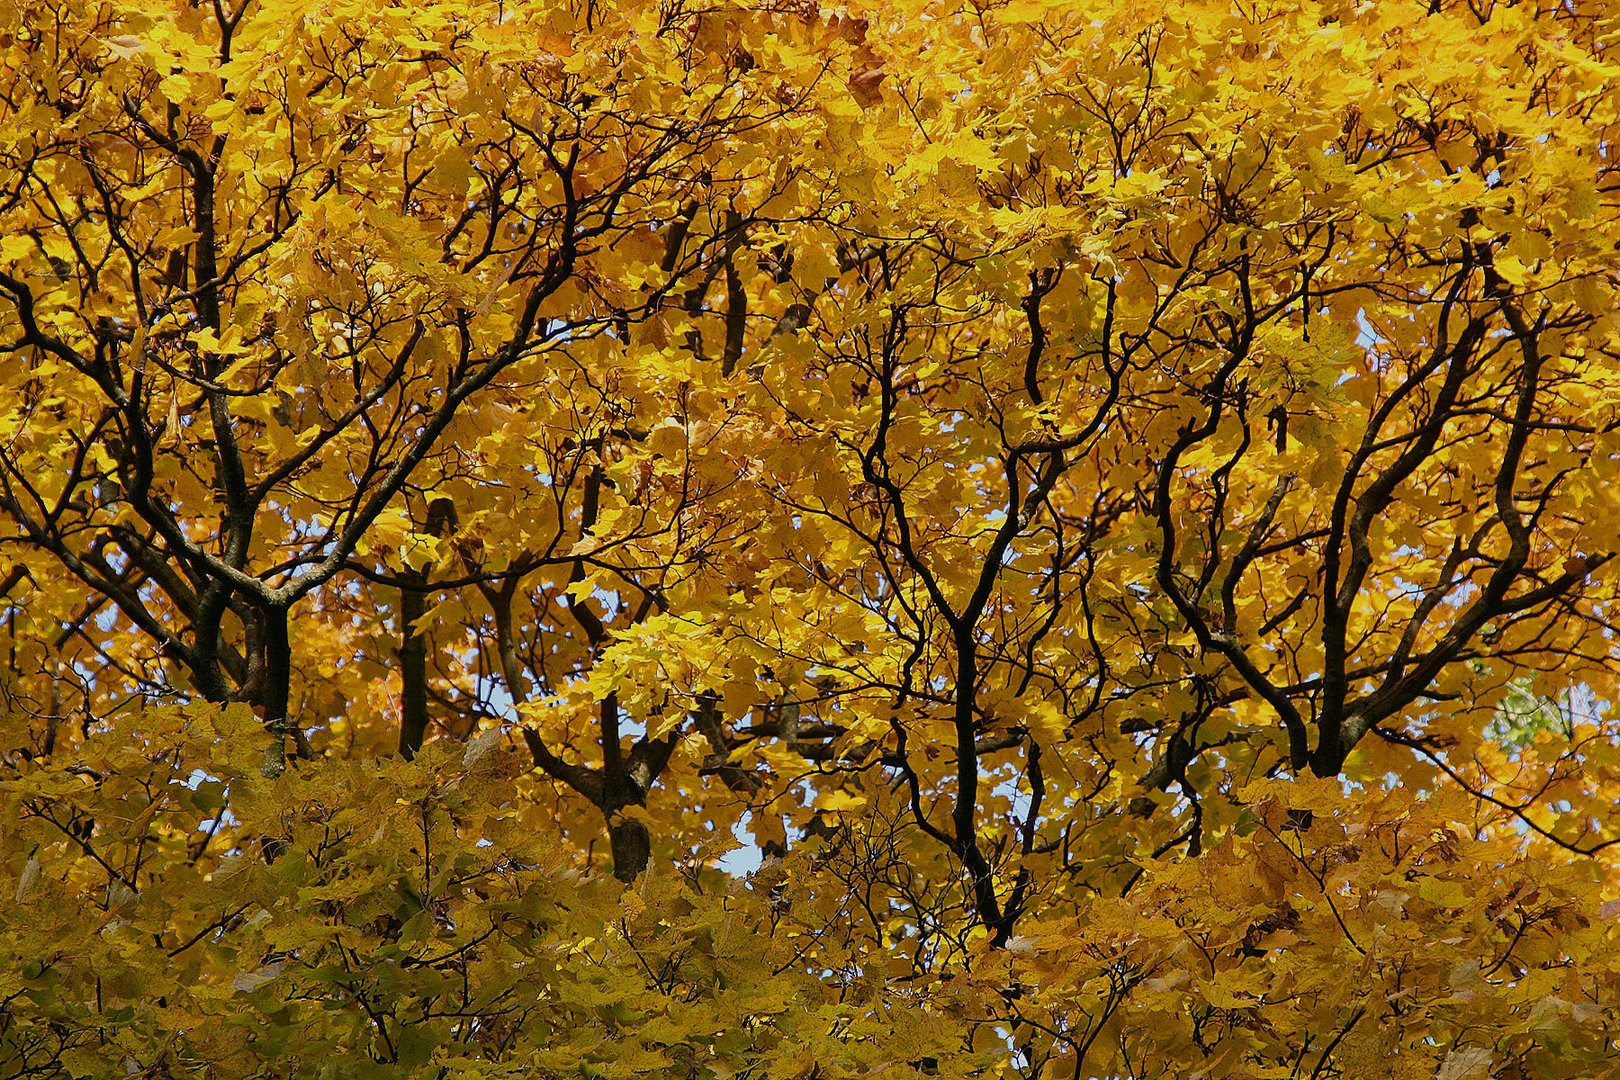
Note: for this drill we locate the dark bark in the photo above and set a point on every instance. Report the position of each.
(277, 682)
(631, 845)
(413, 697)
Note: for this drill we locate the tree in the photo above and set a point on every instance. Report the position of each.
(1081, 495)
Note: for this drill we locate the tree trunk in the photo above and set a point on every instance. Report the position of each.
(413, 699)
(631, 846)
(277, 685)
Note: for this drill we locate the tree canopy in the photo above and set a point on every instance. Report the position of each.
(751, 539)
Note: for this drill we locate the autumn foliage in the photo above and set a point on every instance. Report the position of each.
(1041, 538)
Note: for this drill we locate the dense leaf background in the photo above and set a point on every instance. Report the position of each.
(754, 539)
